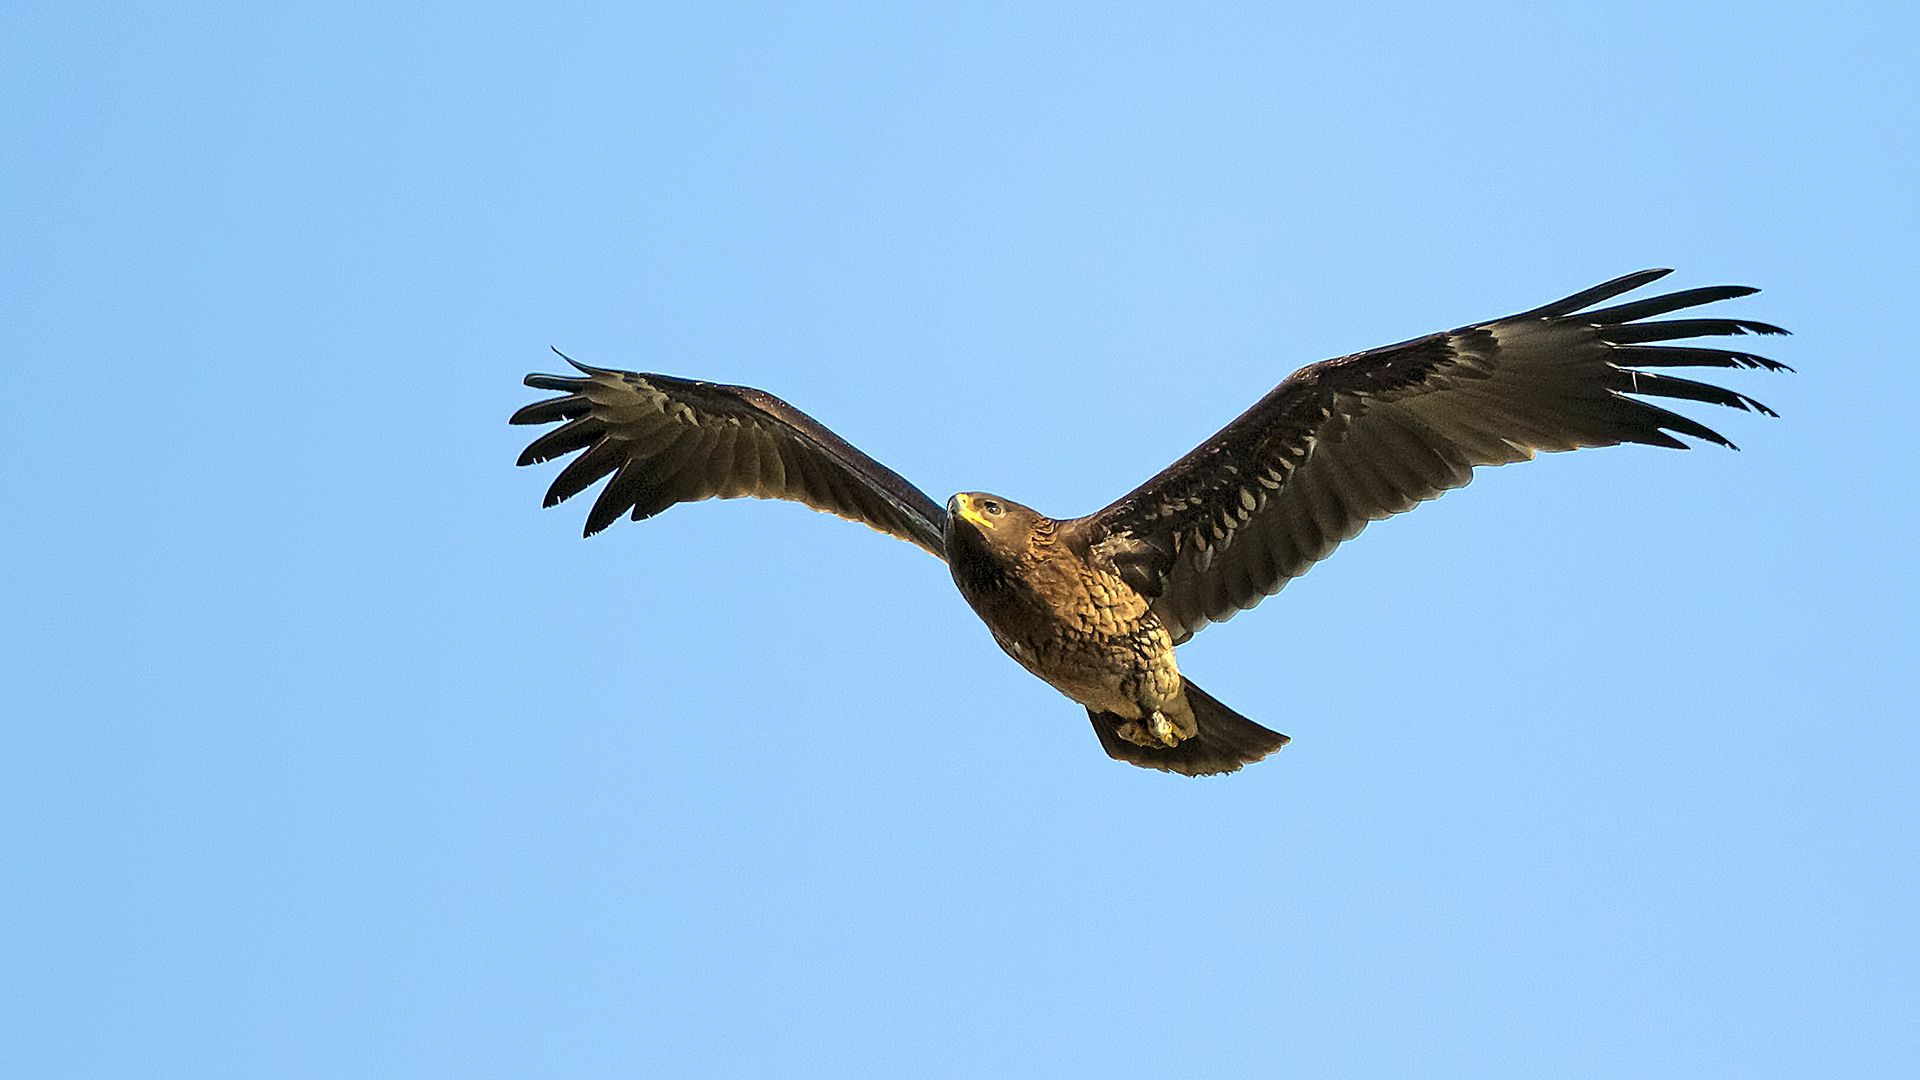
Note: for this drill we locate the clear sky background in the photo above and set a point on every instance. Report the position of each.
(329, 753)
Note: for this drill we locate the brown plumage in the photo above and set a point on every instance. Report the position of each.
(1094, 605)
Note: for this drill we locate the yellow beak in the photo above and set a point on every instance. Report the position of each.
(963, 507)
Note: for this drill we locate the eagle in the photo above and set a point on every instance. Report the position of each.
(1095, 605)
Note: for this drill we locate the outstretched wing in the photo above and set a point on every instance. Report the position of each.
(668, 440)
(1353, 440)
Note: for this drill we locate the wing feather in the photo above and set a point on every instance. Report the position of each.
(1606, 290)
(1661, 305)
(1354, 440)
(666, 440)
(576, 434)
(1670, 329)
(585, 471)
(623, 493)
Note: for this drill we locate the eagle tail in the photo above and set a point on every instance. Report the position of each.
(1226, 740)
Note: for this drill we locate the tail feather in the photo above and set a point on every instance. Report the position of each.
(1225, 742)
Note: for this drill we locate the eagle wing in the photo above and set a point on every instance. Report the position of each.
(1363, 437)
(668, 440)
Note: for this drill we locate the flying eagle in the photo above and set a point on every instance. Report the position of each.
(1095, 605)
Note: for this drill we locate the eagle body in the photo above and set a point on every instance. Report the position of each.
(1095, 605)
(1077, 626)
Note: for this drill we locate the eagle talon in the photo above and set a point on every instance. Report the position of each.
(1165, 731)
(1157, 730)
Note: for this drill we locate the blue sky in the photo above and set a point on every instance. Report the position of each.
(329, 753)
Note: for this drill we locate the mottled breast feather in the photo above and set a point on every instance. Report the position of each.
(1362, 437)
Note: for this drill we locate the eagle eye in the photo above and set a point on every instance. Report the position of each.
(991, 507)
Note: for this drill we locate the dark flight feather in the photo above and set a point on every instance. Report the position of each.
(668, 440)
(1353, 440)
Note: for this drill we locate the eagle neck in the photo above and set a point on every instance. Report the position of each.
(990, 574)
